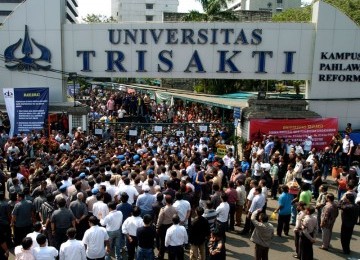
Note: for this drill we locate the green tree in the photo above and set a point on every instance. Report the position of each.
(98, 18)
(214, 10)
(350, 7)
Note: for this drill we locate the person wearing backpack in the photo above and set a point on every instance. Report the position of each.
(341, 181)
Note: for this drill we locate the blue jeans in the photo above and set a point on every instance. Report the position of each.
(326, 170)
(114, 240)
(145, 254)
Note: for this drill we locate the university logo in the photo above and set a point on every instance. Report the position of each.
(27, 62)
(8, 94)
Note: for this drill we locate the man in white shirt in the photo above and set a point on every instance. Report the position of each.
(44, 252)
(113, 222)
(129, 228)
(257, 168)
(175, 239)
(183, 208)
(298, 169)
(94, 239)
(72, 248)
(347, 147)
(163, 177)
(121, 114)
(223, 215)
(250, 197)
(131, 191)
(100, 209)
(33, 235)
(258, 202)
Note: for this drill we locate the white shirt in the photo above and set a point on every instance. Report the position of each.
(130, 191)
(241, 194)
(257, 169)
(182, 207)
(72, 249)
(299, 149)
(33, 236)
(162, 178)
(264, 191)
(347, 144)
(251, 194)
(45, 253)
(176, 235)
(131, 224)
(298, 169)
(112, 221)
(223, 212)
(257, 203)
(100, 209)
(94, 239)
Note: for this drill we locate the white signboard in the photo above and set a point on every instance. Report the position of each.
(158, 128)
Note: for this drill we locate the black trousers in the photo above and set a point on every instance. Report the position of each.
(232, 216)
(306, 248)
(283, 224)
(261, 252)
(345, 236)
(176, 252)
(162, 234)
(20, 233)
(131, 247)
(249, 226)
(60, 237)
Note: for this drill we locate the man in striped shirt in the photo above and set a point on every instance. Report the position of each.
(210, 215)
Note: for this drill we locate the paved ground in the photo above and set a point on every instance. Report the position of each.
(240, 247)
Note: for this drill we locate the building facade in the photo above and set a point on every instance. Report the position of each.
(8, 6)
(142, 10)
(275, 6)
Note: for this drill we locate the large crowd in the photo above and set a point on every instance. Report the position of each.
(79, 196)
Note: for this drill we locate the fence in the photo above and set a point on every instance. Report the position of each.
(132, 130)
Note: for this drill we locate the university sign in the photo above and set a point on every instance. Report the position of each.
(40, 49)
(206, 50)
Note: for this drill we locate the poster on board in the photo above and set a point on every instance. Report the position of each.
(27, 108)
(321, 130)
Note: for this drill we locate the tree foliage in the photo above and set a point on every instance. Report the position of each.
(350, 7)
(98, 18)
(214, 10)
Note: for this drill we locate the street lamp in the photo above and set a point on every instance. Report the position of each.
(73, 76)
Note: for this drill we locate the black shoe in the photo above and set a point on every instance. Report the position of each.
(286, 234)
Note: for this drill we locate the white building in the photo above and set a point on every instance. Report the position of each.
(142, 10)
(8, 6)
(274, 6)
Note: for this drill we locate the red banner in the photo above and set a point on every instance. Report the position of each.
(320, 129)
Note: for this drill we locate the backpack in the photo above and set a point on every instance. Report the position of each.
(342, 183)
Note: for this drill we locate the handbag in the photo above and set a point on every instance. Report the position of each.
(273, 216)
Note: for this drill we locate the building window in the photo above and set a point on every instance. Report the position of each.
(279, 1)
(149, 6)
(149, 18)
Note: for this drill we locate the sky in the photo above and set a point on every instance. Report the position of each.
(103, 7)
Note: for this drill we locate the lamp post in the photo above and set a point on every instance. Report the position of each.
(73, 76)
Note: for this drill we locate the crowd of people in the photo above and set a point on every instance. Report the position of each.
(76, 195)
